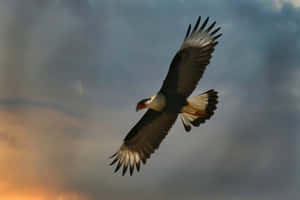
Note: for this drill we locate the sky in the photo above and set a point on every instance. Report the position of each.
(72, 71)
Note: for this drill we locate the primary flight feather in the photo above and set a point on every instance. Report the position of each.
(172, 100)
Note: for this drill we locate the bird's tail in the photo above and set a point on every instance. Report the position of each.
(199, 109)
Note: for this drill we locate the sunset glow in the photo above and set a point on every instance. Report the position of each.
(21, 177)
(40, 195)
(73, 71)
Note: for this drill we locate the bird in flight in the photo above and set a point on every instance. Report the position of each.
(172, 99)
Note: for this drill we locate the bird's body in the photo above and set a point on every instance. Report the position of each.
(173, 99)
(157, 102)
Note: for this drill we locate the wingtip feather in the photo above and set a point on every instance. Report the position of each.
(112, 156)
(204, 24)
(217, 36)
(210, 27)
(125, 167)
(131, 169)
(215, 31)
(188, 31)
(197, 24)
(138, 165)
(118, 166)
(114, 161)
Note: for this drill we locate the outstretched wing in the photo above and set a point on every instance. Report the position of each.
(143, 139)
(191, 60)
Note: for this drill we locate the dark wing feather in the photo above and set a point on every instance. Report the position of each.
(143, 139)
(190, 61)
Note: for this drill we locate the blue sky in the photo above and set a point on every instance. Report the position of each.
(72, 71)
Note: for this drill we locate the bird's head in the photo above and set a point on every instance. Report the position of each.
(142, 104)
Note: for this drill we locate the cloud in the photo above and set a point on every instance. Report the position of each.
(72, 71)
(48, 154)
(31, 147)
(17, 102)
(280, 3)
(47, 48)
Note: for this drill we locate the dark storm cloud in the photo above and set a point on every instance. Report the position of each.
(264, 125)
(256, 59)
(48, 48)
(45, 66)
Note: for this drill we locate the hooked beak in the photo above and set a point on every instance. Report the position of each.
(141, 105)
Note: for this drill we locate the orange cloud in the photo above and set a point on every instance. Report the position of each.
(41, 195)
(32, 142)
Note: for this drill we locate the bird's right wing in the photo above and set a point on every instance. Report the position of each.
(190, 61)
(143, 139)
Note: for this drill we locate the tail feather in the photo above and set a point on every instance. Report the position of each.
(199, 109)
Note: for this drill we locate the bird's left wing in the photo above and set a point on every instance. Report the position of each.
(143, 139)
(190, 61)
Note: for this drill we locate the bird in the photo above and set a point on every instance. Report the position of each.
(185, 71)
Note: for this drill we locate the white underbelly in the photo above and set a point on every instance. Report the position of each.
(158, 102)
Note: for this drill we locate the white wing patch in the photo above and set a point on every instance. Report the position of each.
(129, 158)
(200, 38)
(197, 40)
